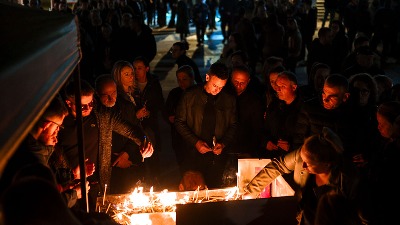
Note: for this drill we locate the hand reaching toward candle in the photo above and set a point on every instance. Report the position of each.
(217, 150)
(90, 168)
(271, 146)
(247, 195)
(284, 145)
(122, 161)
(78, 189)
(202, 147)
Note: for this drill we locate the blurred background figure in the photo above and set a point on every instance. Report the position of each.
(185, 78)
(182, 20)
(201, 13)
(178, 52)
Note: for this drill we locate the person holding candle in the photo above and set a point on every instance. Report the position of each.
(37, 149)
(205, 112)
(126, 159)
(33, 187)
(280, 116)
(149, 100)
(98, 124)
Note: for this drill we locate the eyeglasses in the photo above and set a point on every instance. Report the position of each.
(85, 106)
(58, 125)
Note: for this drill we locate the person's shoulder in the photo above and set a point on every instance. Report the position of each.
(194, 89)
(312, 104)
(174, 93)
(153, 78)
(251, 94)
(146, 29)
(298, 101)
(228, 94)
(102, 110)
(185, 59)
(175, 90)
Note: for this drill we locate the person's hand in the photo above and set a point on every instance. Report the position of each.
(271, 146)
(202, 147)
(90, 168)
(171, 119)
(78, 189)
(247, 195)
(147, 150)
(284, 145)
(122, 161)
(217, 150)
(142, 113)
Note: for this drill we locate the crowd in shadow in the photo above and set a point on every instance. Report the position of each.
(337, 136)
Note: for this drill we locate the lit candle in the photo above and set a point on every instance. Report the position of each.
(108, 207)
(105, 190)
(237, 180)
(151, 195)
(145, 145)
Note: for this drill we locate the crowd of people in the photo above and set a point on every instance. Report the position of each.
(334, 139)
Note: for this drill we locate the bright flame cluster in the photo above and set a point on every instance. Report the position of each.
(126, 209)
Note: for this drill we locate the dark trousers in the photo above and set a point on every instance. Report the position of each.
(200, 31)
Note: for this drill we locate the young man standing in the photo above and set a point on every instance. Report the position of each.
(206, 119)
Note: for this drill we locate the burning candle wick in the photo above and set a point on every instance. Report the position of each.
(105, 190)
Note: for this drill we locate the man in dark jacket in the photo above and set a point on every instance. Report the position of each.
(206, 119)
(250, 110)
(332, 110)
(280, 116)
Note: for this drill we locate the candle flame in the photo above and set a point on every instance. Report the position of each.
(140, 208)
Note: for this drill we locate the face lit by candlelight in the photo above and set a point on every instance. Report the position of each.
(51, 127)
(127, 76)
(312, 166)
(333, 97)
(214, 84)
(108, 94)
(285, 89)
(384, 126)
(240, 80)
(86, 103)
